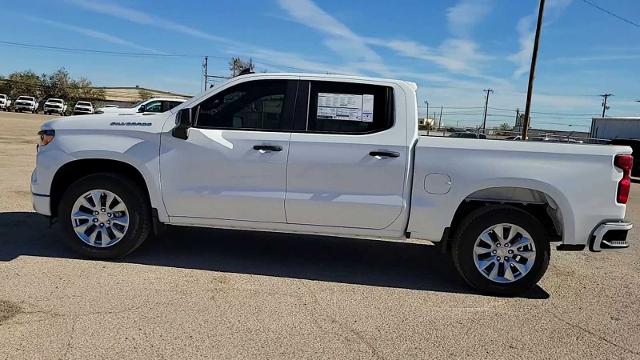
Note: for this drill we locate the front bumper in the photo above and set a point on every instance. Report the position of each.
(41, 204)
(610, 235)
(26, 107)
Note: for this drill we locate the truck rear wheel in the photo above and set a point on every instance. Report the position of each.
(501, 250)
(104, 216)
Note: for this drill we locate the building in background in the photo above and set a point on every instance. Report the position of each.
(615, 128)
(127, 96)
(425, 122)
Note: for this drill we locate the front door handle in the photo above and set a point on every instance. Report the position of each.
(380, 154)
(267, 148)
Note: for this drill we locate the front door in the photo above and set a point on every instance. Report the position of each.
(233, 164)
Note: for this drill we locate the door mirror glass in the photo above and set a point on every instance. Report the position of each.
(142, 108)
(183, 123)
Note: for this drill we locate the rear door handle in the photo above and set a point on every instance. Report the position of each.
(392, 154)
(266, 148)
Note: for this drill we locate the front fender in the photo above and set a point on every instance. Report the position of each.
(140, 152)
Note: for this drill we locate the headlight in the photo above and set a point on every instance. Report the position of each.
(46, 136)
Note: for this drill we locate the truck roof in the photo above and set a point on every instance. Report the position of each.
(329, 77)
(304, 76)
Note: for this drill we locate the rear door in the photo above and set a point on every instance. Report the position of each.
(348, 158)
(233, 164)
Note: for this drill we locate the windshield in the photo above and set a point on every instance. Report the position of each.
(138, 104)
(28, 98)
(83, 103)
(58, 101)
(3, 96)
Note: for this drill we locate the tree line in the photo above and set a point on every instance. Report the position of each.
(58, 84)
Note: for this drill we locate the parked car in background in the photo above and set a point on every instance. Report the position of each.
(559, 139)
(54, 106)
(83, 107)
(514, 138)
(468, 135)
(345, 159)
(5, 103)
(154, 105)
(26, 103)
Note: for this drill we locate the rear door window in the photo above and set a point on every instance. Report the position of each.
(349, 108)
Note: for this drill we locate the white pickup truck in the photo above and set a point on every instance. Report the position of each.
(54, 106)
(5, 103)
(153, 105)
(28, 103)
(334, 155)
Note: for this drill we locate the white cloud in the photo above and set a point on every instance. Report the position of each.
(93, 33)
(274, 59)
(342, 40)
(143, 18)
(466, 14)
(526, 37)
(526, 34)
(458, 54)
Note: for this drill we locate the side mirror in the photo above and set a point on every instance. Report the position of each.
(142, 108)
(183, 123)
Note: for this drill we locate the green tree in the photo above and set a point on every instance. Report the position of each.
(4, 85)
(237, 65)
(25, 83)
(504, 127)
(58, 84)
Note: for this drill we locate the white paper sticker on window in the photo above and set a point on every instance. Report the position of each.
(345, 107)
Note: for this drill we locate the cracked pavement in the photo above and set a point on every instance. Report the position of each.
(199, 293)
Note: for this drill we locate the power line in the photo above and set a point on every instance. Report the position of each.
(588, 2)
(95, 51)
(546, 113)
(131, 54)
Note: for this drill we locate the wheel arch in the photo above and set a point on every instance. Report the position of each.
(549, 207)
(74, 170)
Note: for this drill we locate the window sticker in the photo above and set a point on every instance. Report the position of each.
(347, 107)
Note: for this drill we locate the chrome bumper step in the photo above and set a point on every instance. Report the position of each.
(612, 235)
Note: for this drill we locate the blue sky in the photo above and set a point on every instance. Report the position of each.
(453, 49)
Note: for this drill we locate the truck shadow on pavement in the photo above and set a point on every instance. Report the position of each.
(321, 258)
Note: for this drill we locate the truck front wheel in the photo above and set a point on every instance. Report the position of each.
(104, 216)
(501, 250)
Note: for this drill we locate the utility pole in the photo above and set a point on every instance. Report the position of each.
(604, 103)
(440, 120)
(205, 69)
(486, 104)
(427, 119)
(427, 102)
(532, 72)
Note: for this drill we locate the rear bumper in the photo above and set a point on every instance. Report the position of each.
(610, 235)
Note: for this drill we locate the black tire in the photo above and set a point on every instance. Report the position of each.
(480, 220)
(140, 221)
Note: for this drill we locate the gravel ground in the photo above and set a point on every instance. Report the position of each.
(197, 293)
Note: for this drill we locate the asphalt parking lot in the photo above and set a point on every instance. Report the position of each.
(198, 293)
